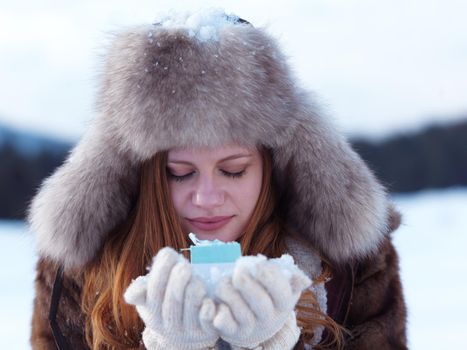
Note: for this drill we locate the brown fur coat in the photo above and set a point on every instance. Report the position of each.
(365, 297)
(163, 87)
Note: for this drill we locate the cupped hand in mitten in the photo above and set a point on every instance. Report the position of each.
(255, 305)
(173, 305)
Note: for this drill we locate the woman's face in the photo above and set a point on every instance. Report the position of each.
(214, 190)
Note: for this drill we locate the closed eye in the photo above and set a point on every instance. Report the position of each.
(179, 178)
(233, 175)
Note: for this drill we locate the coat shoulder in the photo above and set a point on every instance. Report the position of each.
(69, 316)
(376, 316)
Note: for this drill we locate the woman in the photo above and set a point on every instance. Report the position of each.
(201, 127)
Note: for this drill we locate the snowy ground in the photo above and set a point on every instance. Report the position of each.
(17, 278)
(432, 243)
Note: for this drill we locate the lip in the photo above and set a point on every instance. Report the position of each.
(210, 223)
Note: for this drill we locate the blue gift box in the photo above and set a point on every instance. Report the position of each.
(209, 252)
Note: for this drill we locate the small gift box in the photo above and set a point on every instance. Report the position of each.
(213, 260)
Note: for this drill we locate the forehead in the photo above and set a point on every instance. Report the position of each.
(210, 153)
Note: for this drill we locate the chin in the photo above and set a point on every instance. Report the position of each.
(212, 235)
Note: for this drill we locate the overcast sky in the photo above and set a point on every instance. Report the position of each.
(376, 67)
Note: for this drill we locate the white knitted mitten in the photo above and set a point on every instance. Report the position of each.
(256, 309)
(173, 305)
(285, 339)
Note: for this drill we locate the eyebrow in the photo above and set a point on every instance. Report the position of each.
(234, 156)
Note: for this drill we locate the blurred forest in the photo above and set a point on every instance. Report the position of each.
(435, 157)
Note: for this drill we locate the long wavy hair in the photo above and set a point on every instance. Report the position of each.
(152, 224)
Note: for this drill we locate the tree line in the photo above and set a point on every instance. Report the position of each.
(435, 157)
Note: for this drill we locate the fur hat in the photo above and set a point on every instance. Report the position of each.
(203, 80)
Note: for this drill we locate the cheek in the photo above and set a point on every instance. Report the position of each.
(177, 195)
(250, 194)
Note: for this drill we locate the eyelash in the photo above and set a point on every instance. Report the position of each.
(225, 173)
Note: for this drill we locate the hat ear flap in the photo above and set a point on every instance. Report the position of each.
(84, 198)
(333, 198)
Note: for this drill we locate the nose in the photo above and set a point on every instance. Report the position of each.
(207, 194)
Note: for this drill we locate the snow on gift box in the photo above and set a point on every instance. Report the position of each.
(212, 260)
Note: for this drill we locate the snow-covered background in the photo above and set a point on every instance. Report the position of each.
(432, 243)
